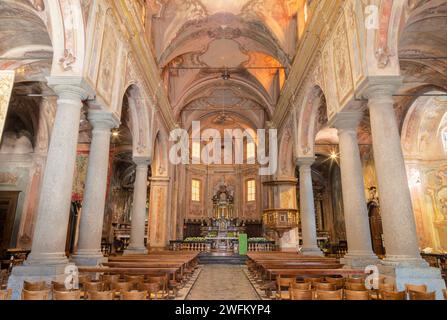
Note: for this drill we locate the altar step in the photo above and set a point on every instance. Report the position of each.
(222, 258)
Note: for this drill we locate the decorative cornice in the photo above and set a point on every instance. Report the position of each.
(281, 181)
(325, 16)
(145, 62)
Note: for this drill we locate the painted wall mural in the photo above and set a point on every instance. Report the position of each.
(428, 185)
(80, 175)
(6, 85)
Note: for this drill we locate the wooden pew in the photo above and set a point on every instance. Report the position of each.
(315, 272)
(261, 263)
(170, 272)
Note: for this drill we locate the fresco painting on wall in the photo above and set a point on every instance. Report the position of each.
(80, 176)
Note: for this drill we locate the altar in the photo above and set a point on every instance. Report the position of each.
(223, 228)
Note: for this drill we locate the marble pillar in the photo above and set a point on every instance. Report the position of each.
(47, 260)
(399, 225)
(403, 260)
(360, 253)
(55, 198)
(138, 216)
(90, 231)
(307, 209)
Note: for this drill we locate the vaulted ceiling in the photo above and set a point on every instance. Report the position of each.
(224, 58)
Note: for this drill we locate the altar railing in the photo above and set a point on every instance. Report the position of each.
(262, 246)
(199, 246)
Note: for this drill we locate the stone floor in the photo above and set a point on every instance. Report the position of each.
(222, 282)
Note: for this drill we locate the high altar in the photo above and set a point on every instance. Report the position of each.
(224, 227)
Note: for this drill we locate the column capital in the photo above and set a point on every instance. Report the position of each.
(380, 86)
(347, 120)
(101, 119)
(142, 161)
(305, 161)
(71, 87)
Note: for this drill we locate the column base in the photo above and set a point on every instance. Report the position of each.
(415, 275)
(37, 259)
(405, 261)
(88, 259)
(359, 260)
(135, 251)
(34, 273)
(312, 251)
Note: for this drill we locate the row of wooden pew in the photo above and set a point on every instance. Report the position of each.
(176, 266)
(269, 265)
(266, 268)
(310, 278)
(129, 277)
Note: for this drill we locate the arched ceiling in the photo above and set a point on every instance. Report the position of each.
(423, 46)
(25, 43)
(22, 30)
(200, 42)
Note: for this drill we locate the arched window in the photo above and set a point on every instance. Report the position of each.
(196, 150)
(195, 192)
(251, 150)
(251, 190)
(306, 11)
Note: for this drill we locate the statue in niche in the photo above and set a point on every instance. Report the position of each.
(375, 222)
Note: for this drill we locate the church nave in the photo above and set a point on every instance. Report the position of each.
(223, 150)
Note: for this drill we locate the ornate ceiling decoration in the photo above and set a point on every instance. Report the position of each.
(250, 43)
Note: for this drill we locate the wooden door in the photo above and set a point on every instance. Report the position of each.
(8, 206)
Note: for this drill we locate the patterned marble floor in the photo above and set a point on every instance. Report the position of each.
(222, 282)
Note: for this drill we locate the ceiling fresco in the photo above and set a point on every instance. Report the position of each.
(217, 54)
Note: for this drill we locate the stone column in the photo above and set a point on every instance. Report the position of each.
(48, 259)
(92, 216)
(138, 217)
(307, 209)
(399, 226)
(360, 253)
(403, 260)
(50, 232)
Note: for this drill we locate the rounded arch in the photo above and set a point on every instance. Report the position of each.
(139, 121)
(67, 29)
(424, 125)
(420, 40)
(243, 121)
(424, 145)
(160, 164)
(258, 37)
(312, 117)
(197, 88)
(21, 42)
(286, 158)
